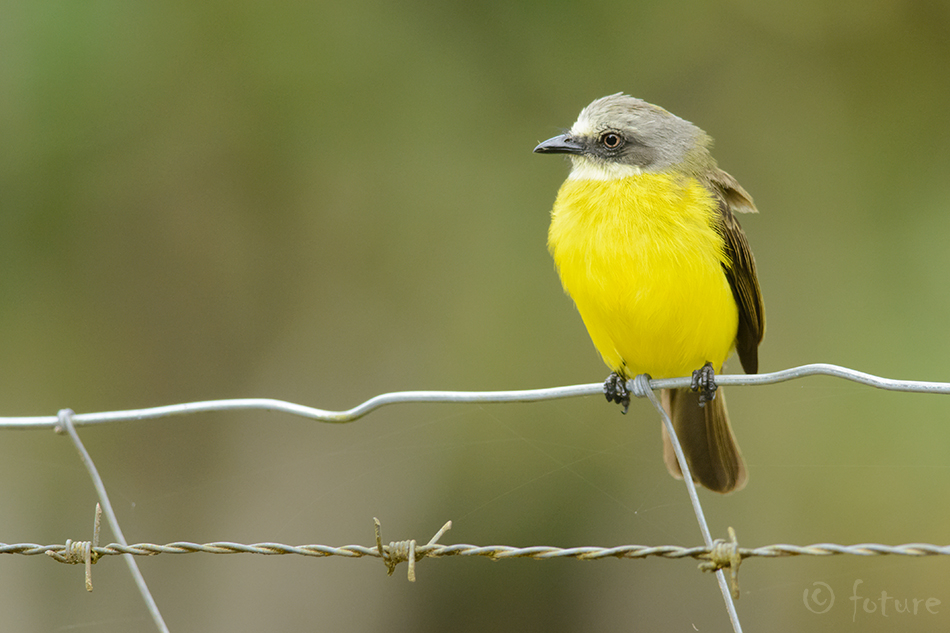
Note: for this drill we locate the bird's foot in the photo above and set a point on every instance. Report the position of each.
(704, 381)
(615, 389)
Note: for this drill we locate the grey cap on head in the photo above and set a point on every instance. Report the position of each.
(621, 129)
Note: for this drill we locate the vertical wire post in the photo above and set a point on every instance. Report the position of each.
(642, 385)
(66, 423)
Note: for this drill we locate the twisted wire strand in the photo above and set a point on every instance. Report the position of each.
(496, 552)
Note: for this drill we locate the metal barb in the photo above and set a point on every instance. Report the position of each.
(399, 551)
(93, 556)
(379, 546)
(76, 552)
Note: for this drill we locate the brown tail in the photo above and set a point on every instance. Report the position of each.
(711, 451)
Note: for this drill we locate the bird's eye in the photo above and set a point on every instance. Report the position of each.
(611, 140)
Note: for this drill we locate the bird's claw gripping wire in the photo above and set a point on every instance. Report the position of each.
(615, 390)
(704, 381)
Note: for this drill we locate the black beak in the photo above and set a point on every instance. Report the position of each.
(563, 144)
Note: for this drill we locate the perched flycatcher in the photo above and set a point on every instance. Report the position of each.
(646, 243)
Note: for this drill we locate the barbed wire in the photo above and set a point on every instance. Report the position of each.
(397, 552)
(717, 556)
(495, 552)
(723, 555)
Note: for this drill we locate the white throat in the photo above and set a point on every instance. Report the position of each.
(586, 168)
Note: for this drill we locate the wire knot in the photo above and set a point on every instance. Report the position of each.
(75, 553)
(400, 551)
(639, 385)
(725, 554)
(64, 418)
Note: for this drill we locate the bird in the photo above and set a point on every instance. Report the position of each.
(646, 242)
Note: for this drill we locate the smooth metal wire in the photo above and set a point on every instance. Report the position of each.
(66, 425)
(640, 387)
(404, 397)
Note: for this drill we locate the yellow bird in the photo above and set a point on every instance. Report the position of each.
(646, 243)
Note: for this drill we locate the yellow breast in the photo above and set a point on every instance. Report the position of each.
(642, 262)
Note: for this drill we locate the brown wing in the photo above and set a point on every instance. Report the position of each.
(741, 271)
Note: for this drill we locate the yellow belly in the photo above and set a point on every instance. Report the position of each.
(643, 264)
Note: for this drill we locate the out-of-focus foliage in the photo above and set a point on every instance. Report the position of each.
(324, 201)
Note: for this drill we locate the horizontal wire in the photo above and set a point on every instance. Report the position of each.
(496, 552)
(404, 397)
(716, 556)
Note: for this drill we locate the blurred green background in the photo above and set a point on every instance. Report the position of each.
(320, 202)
